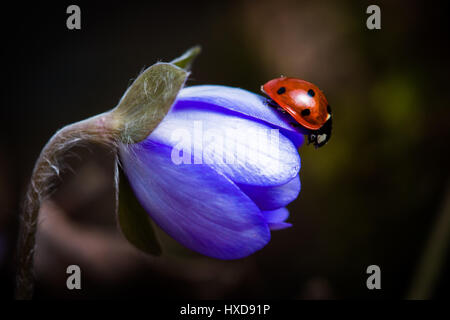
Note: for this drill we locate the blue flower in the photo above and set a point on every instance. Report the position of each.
(218, 171)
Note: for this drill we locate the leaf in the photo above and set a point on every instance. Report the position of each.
(141, 109)
(133, 220)
(185, 61)
(147, 101)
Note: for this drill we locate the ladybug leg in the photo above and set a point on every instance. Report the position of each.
(272, 103)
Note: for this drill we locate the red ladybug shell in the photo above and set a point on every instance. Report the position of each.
(301, 99)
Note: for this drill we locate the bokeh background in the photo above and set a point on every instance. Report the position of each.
(374, 195)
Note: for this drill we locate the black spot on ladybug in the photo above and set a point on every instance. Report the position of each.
(311, 93)
(306, 112)
(329, 109)
(281, 90)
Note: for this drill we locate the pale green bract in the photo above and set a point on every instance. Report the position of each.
(145, 104)
(150, 97)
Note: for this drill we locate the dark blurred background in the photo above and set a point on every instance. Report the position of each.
(373, 195)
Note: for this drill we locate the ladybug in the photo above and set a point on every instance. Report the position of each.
(305, 103)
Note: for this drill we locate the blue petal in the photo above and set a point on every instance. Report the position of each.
(243, 102)
(271, 198)
(279, 225)
(276, 216)
(199, 207)
(218, 138)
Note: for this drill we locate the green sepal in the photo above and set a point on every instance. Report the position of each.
(185, 60)
(147, 101)
(141, 109)
(134, 221)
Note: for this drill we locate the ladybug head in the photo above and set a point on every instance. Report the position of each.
(321, 136)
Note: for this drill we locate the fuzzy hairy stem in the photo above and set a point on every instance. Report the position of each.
(143, 106)
(98, 129)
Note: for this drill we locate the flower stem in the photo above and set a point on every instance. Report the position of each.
(140, 110)
(98, 129)
(433, 257)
